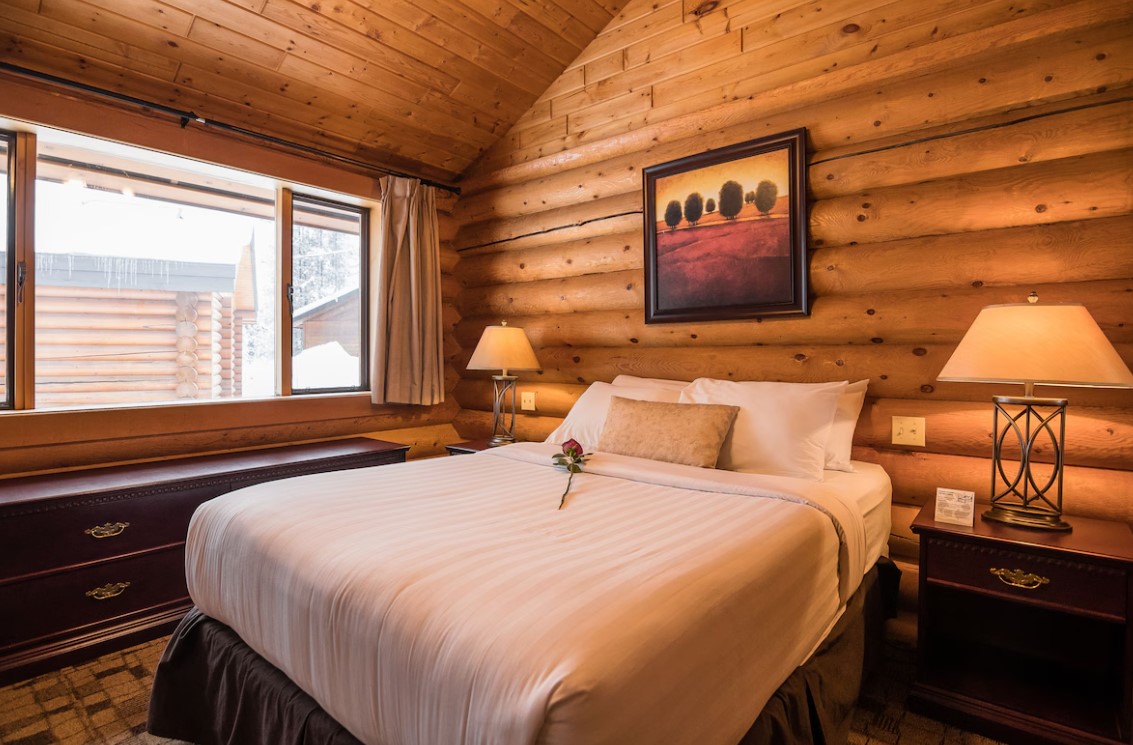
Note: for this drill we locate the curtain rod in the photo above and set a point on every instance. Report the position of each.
(188, 116)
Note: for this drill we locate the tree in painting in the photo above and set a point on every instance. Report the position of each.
(710, 205)
(731, 199)
(673, 214)
(765, 195)
(749, 198)
(694, 208)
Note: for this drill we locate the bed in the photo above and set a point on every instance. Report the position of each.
(451, 601)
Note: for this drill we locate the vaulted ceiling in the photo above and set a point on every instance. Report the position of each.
(423, 86)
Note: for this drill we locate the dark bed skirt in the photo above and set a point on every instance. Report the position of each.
(211, 689)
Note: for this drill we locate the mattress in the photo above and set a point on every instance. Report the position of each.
(450, 601)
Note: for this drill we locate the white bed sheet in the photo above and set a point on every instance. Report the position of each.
(448, 601)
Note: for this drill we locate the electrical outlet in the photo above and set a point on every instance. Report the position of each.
(527, 400)
(908, 430)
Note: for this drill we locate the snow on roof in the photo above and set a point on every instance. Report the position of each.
(87, 238)
(74, 220)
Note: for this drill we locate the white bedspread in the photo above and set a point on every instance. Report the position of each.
(447, 602)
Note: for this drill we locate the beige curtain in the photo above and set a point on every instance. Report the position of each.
(407, 359)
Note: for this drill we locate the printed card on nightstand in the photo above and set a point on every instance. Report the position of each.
(955, 506)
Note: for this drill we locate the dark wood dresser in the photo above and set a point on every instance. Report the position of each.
(94, 560)
(1026, 635)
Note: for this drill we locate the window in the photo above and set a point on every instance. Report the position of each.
(154, 277)
(328, 321)
(7, 250)
(157, 279)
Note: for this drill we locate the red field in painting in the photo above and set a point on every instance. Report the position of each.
(724, 262)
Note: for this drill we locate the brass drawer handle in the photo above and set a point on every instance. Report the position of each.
(1019, 578)
(107, 591)
(106, 530)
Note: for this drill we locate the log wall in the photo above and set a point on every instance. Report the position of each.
(960, 154)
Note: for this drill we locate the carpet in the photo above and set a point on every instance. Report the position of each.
(104, 702)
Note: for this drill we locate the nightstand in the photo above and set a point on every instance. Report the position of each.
(1025, 635)
(469, 446)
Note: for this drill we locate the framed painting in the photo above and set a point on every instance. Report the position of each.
(725, 233)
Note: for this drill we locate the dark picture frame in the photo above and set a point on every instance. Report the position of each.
(734, 246)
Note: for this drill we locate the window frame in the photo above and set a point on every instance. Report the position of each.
(363, 292)
(20, 362)
(10, 275)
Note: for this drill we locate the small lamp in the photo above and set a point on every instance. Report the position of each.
(1033, 344)
(504, 348)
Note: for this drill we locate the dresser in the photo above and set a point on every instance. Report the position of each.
(1025, 635)
(94, 560)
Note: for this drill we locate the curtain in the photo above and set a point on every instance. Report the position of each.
(407, 358)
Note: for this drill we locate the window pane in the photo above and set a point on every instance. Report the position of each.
(155, 277)
(6, 247)
(328, 248)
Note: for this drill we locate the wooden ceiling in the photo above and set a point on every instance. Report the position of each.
(422, 86)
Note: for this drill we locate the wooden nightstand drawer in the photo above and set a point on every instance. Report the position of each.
(1091, 589)
(1026, 635)
(92, 528)
(71, 599)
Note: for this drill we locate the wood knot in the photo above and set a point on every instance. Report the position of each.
(1040, 208)
(926, 388)
(877, 340)
(851, 28)
(576, 359)
(871, 312)
(977, 284)
(633, 340)
(920, 351)
(705, 8)
(800, 357)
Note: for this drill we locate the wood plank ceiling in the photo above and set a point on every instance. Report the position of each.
(422, 86)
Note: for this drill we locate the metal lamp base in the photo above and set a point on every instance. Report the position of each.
(1020, 496)
(503, 405)
(1021, 519)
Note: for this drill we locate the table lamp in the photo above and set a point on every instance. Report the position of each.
(1034, 344)
(503, 348)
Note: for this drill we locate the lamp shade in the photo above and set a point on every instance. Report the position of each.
(503, 348)
(1042, 344)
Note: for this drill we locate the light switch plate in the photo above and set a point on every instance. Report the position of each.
(527, 400)
(908, 430)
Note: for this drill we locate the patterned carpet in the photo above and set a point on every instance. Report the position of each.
(104, 703)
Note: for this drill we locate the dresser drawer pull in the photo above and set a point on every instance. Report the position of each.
(1019, 578)
(106, 530)
(107, 591)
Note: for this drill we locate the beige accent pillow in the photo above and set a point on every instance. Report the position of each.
(691, 434)
(782, 428)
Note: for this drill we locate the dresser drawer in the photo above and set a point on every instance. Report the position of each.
(1089, 588)
(63, 532)
(51, 603)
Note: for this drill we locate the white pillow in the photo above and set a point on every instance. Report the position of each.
(673, 385)
(586, 418)
(841, 441)
(782, 428)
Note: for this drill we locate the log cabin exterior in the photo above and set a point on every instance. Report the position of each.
(960, 154)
